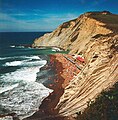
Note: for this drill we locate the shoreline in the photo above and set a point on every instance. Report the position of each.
(61, 70)
(64, 71)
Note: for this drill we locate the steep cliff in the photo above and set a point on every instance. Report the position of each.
(99, 73)
(71, 34)
(95, 35)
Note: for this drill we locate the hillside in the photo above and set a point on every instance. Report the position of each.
(74, 32)
(95, 36)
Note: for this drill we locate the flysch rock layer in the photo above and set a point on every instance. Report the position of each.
(95, 36)
(75, 34)
(100, 73)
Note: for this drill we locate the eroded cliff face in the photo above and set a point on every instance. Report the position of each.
(95, 35)
(99, 73)
(74, 34)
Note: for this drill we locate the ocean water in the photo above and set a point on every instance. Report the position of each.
(20, 93)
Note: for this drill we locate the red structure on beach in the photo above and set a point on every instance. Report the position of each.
(80, 59)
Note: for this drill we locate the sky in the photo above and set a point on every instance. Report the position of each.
(46, 15)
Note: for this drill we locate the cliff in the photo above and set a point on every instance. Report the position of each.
(99, 73)
(95, 36)
(74, 32)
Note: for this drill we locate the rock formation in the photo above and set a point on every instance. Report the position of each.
(70, 35)
(99, 73)
(95, 35)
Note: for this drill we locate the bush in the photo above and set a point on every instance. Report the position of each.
(105, 106)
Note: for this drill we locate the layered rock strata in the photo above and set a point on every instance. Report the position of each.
(95, 36)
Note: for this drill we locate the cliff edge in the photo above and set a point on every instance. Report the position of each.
(95, 36)
(70, 35)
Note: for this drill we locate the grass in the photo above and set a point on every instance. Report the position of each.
(110, 20)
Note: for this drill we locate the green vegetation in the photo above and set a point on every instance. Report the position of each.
(105, 106)
(110, 20)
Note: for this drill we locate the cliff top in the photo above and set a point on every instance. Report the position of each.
(110, 19)
(85, 27)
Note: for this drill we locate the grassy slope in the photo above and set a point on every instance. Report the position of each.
(110, 20)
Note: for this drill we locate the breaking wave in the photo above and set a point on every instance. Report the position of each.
(24, 99)
(25, 63)
(22, 57)
(19, 91)
(4, 89)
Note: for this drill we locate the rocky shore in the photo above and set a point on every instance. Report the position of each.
(64, 71)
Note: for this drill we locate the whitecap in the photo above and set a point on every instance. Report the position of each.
(25, 100)
(53, 50)
(4, 58)
(26, 63)
(17, 46)
(6, 118)
(25, 94)
(22, 57)
(23, 74)
(34, 57)
(35, 63)
(56, 49)
(4, 89)
(26, 73)
(12, 46)
(20, 46)
(14, 63)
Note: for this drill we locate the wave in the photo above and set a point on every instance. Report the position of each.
(19, 91)
(12, 46)
(56, 49)
(34, 57)
(4, 89)
(22, 57)
(26, 95)
(26, 63)
(14, 63)
(3, 58)
(25, 100)
(23, 74)
(20, 46)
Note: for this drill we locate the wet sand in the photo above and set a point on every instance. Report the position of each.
(64, 71)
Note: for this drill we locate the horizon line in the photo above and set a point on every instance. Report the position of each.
(22, 31)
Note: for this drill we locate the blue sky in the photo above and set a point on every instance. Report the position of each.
(46, 15)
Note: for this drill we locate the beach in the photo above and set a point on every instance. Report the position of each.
(64, 71)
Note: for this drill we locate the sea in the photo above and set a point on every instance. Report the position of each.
(20, 92)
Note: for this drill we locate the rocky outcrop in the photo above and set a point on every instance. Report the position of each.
(70, 35)
(95, 35)
(99, 73)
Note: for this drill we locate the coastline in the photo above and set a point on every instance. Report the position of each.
(64, 71)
